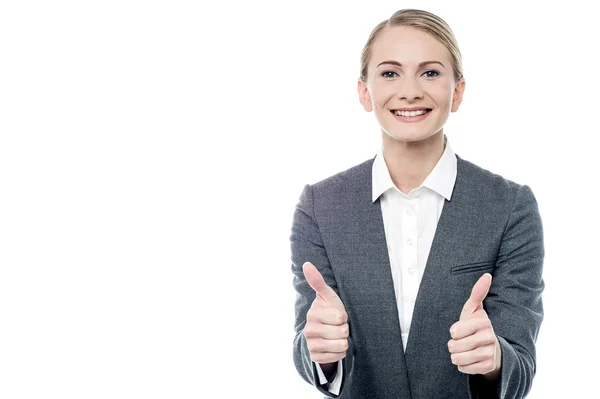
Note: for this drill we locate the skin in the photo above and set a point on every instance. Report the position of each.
(474, 347)
(326, 330)
(408, 68)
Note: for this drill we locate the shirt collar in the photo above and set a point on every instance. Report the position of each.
(441, 179)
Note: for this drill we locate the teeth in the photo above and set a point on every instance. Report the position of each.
(410, 113)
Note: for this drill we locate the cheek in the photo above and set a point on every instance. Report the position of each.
(442, 95)
(381, 94)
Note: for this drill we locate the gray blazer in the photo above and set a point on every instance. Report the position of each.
(491, 224)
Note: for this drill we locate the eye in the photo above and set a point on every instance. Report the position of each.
(431, 74)
(389, 74)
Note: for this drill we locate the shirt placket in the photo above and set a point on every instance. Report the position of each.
(410, 257)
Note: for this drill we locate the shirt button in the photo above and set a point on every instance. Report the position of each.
(409, 212)
(409, 241)
(411, 270)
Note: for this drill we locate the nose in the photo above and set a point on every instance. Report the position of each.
(410, 89)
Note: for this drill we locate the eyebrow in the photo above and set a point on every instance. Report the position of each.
(422, 64)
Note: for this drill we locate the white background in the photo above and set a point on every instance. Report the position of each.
(152, 153)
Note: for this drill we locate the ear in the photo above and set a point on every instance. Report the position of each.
(364, 96)
(457, 97)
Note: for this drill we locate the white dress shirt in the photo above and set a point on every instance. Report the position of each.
(410, 221)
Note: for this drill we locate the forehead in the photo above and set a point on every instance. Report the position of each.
(408, 45)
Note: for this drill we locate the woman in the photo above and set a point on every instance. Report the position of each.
(418, 274)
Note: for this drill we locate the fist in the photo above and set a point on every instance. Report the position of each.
(326, 330)
(474, 347)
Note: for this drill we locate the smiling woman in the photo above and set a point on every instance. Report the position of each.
(387, 256)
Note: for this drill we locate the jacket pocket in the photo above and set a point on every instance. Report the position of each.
(486, 266)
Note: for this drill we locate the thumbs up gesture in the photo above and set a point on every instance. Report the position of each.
(326, 328)
(474, 347)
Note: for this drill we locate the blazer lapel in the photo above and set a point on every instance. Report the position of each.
(426, 342)
(372, 302)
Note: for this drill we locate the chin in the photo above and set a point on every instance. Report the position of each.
(409, 136)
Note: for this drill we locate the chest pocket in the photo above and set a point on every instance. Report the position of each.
(481, 267)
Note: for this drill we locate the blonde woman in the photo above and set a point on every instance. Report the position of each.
(418, 274)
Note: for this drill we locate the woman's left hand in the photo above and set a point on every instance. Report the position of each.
(474, 347)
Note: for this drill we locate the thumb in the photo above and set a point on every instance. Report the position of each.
(316, 281)
(478, 294)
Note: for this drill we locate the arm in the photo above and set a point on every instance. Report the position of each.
(514, 302)
(307, 246)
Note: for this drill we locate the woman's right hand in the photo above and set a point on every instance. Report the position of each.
(326, 328)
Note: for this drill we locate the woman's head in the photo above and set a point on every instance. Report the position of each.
(411, 75)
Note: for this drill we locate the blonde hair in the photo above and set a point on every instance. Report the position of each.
(419, 19)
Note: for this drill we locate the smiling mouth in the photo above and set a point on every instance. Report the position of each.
(417, 112)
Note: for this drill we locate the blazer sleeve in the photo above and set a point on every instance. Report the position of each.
(307, 246)
(514, 302)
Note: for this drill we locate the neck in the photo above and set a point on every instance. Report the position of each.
(410, 162)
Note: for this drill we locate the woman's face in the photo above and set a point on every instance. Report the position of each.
(410, 84)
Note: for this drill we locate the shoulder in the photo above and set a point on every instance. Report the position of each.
(340, 188)
(478, 182)
(483, 180)
(349, 179)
